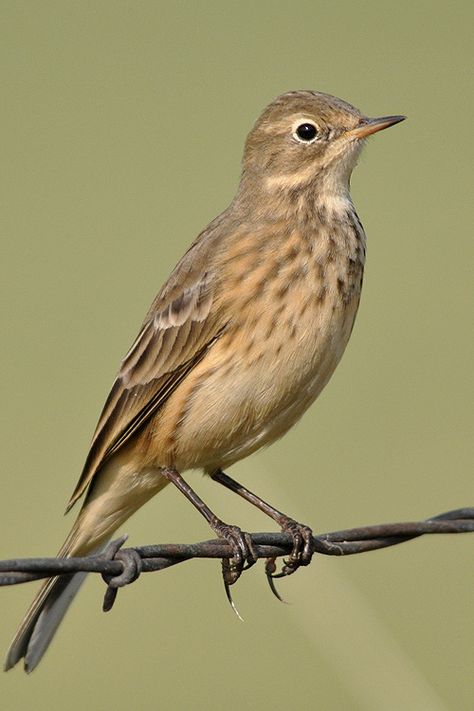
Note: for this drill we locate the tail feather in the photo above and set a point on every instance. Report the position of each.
(113, 497)
(48, 608)
(42, 620)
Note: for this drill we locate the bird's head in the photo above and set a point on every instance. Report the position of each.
(308, 136)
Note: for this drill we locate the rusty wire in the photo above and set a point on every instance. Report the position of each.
(120, 566)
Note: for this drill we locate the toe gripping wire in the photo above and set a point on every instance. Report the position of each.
(131, 569)
(238, 553)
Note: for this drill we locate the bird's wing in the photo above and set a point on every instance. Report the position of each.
(179, 328)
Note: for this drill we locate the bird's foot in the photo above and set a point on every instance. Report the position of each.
(243, 554)
(301, 553)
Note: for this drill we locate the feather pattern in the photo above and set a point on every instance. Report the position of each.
(239, 341)
(178, 329)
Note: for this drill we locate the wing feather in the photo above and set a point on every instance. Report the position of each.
(179, 328)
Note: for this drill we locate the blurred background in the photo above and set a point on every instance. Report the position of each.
(123, 127)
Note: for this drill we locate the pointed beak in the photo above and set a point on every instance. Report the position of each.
(372, 125)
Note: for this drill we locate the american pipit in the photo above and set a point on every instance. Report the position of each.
(238, 343)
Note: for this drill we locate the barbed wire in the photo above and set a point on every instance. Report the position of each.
(121, 566)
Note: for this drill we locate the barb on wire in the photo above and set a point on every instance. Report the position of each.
(119, 566)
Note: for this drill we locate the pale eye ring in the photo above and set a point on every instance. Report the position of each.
(305, 132)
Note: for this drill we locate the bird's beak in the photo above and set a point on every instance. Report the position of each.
(368, 126)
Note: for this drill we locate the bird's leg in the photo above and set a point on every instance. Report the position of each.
(302, 536)
(243, 554)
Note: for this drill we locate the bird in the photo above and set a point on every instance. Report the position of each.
(238, 343)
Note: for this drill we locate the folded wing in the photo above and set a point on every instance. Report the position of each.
(179, 328)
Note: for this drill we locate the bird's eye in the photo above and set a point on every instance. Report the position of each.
(306, 132)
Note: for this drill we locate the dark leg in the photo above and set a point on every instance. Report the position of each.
(302, 536)
(243, 554)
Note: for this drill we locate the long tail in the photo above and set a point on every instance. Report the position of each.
(48, 608)
(109, 503)
(42, 620)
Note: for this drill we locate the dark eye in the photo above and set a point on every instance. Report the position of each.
(306, 132)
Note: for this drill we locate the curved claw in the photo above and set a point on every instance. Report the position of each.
(231, 602)
(270, 568)
(243, 557)
(284, 573)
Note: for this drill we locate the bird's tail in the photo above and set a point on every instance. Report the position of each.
(42, 620)
(44, 616)
(114, 496)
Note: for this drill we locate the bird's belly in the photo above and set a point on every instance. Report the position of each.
(254, 385)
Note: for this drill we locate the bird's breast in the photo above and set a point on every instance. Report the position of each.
(290, 308)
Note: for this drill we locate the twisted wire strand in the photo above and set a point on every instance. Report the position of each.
(124, 565)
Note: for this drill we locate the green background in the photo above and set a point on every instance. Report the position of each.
(122, 131)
